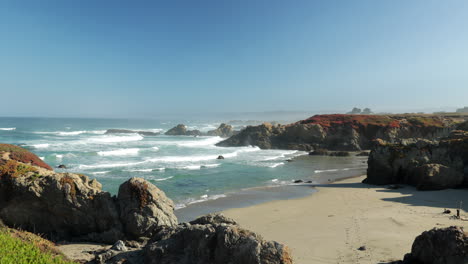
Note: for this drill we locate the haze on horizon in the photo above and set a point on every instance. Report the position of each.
(153, 58)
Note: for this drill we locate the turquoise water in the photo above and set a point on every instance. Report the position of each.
(184, 167)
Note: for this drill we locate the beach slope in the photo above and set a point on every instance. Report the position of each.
(330, 226)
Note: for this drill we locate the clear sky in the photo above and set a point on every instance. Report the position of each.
(149, 58)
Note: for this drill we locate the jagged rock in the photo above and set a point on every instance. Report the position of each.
(440, 246)
(213, 240)
(126, 131)
(222, 131)
(119, 246)
(342, 132)
(220, 157)
(428, 165)
(181, 130)
(69, 206)
(144, 209)
(61, 166)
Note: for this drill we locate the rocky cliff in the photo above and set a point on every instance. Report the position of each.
(425, 164)
(342, 132)
(223, 130)
(69, 206)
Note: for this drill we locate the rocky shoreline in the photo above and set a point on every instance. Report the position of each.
(71, 207)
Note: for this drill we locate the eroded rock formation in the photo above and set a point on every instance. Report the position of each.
(69, 206)
(342, 132)
(428, 165)
(213, 239)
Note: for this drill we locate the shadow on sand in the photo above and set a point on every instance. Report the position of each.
(449, 198)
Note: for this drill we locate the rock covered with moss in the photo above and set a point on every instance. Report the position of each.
(341, 132)
(69, 206)
(213, 239)
(428, 165)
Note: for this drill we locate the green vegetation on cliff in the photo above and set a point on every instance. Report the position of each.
(21, 247)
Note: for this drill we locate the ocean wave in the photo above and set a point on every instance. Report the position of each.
(242, 150)
(140, 170)
(274, 165)
(164, 179)
(176, 159)
(99, 172)
(115, 139)
(210, 165)
(110, 165)
(119, 152)
(155, 148)
(191, 167)
(282, 155)
(42, 158)
(7, 128)
(211, 141)
(203, 198)
(43, 145)
(71, 133)
(331, 170)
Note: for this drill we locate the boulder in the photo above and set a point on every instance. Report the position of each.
(437, 176)
(213, 240)
(220, 157)
(179, 130)
(440, 246)
(61, 166)
(69, 206)
(319, 152)
(144, 209)
(223, 130)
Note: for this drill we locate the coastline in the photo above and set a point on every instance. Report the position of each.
(252, 196)
(330, 225)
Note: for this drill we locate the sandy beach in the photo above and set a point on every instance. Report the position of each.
(330, 225)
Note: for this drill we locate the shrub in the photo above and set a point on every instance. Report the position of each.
(22, 155)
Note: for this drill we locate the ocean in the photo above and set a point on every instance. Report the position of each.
(184, 167)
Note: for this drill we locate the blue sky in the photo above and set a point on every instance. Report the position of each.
(150, 58)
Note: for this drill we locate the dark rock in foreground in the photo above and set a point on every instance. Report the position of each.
(428, 165)
(69, 206)
(213, 239)
(439, 246)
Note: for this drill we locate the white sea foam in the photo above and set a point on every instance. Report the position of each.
(59, 156)
(192, 167)
(120, 152)
(331, 170)
(176, 159)
(7, 128)
(42, 158)
(155, 148)
(210, 165)
(71, 133)
(140, 170)
(164, 179)
(100, 172)
(211, 141)
(44, 145)
(274, 180)
(115, 139)
(110, 165)
(276, 165)
(203, 198)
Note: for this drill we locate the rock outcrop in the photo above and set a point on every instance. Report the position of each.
(69, 206)
(181, 130)
(342, 132)
(144, 209)
(222, 131)
(440, 246)
(428, 165)
(126, 131)
(213, 239)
